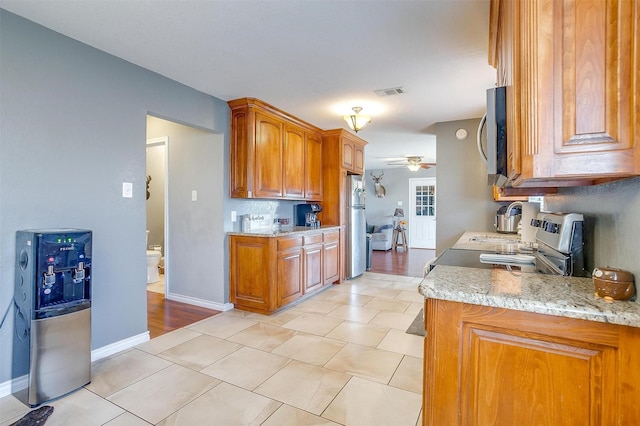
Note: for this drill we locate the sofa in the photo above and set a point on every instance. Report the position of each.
(381, 230)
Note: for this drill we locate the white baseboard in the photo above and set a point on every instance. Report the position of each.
(96, 354)
(118, 346)
(200, 302)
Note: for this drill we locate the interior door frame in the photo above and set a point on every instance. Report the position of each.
(164, 140)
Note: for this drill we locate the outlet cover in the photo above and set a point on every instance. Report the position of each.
(127, 189)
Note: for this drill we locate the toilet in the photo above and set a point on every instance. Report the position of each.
(153, 261)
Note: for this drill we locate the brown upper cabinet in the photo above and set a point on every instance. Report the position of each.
(273, 154)
(571, 71)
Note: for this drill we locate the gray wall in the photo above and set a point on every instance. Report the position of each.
(612, 213)
(72, 130)
(194, 259)
(464, 201)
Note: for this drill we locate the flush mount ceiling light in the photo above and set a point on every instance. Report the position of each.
(413, 163)
(356, 121)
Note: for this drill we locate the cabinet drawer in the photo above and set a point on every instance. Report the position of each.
(312, 239)
(331, 236)
(287, 243)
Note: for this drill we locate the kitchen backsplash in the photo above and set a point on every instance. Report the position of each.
(612, 216)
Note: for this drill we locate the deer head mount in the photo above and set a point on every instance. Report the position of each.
(380, 191)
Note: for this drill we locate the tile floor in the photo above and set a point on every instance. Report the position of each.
(340, 358)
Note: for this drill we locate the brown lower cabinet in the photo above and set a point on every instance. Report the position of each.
(495, 366)
(268, 272)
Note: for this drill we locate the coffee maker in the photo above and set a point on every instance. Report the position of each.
(307, 214)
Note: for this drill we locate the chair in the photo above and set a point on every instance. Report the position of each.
(381, 230)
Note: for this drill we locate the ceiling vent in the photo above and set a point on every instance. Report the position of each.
(390, 92)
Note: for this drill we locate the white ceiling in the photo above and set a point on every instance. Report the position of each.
(312, 58)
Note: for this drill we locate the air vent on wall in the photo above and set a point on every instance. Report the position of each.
(390, 92)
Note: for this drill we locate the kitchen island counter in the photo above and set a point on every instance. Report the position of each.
(562, 296)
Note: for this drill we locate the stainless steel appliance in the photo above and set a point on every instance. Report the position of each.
(560, 249)
(52, 338)
(507, 219)
(495, 121)
(307, 214)
(356, 244)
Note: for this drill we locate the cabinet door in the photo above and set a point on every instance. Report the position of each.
(289, 273)
(331, 262)
(249, 273)
(268, 157)
(348, 155)
(293, 171)
(313, 167)
(487, 365)
(239, 155)
(358, 164)
(312, 279)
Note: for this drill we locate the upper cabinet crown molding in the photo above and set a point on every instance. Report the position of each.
(571, 71)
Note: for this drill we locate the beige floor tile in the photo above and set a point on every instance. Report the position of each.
(291, 416)
(380, 292)
(199, 352)
(361, 334)
(313, 324)
(262, 336)
(349, 287)
(365, 403)
(344, 298)
(405, 286)
(163, 393)
(226, 405)
(366, 362)
(315, 306)
(246, 367)
(222, 326)
(408, 376)
(304, 386)
(403, 343)
(410, 296)
(127, 419)
(310, 349)
(115, 373)
(166, 341)
(414, 308)
(276, 319)
(389, 305)
(11, 409)
(397, 320)
(82, 408)
(353, 313)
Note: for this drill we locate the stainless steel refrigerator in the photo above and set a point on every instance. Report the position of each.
(356, 227)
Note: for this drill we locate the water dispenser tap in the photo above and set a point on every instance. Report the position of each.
(49, 277)
(78, 273)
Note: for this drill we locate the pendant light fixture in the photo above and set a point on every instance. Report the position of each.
(356, 121)
(414, 163)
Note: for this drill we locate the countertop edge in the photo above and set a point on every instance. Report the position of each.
(295, 231)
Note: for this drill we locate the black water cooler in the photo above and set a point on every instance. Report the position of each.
(52, 339)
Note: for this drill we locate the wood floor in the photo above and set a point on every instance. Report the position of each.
(401, 262)
(166, 315)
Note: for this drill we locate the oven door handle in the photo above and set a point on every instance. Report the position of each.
(549, 266)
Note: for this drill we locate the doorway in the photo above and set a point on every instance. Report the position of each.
(157, 207)
(422, 213)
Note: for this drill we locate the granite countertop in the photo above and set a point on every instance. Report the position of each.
(285, 232)
(488, 241)
(571, 297)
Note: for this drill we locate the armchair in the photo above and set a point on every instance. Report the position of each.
(381, 230)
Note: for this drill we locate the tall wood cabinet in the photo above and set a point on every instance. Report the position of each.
(571, 71)
(273, 154)
(343, 154)
(487, 366)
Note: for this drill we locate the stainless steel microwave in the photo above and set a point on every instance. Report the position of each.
(495, 121)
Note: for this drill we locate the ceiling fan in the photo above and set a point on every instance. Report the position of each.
(413, 162)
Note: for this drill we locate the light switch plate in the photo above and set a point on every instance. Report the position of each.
(194, 195)
(399, 203)
(234, 216)
(127, 189)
